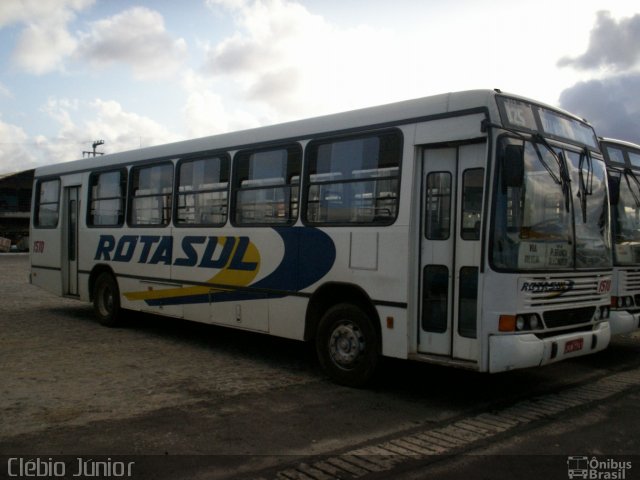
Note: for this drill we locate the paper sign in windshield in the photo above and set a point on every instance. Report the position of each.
(534, 255)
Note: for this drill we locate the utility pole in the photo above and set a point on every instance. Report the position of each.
(94, 153)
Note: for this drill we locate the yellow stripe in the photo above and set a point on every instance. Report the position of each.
(226, 276)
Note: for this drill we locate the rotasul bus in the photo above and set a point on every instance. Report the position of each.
(623, 167)
(468, 229)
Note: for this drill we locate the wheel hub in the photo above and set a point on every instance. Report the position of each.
(346, 344)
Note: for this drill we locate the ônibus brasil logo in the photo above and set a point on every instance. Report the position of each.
(596, 468)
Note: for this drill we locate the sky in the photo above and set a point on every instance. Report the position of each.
(142, 73)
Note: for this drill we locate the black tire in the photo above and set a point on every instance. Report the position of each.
(106, 300)
(347, 345)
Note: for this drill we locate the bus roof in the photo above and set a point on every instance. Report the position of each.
(393, 113)
(620, 142)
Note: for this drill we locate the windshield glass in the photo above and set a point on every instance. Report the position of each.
(626, 218)
(534, 221)
(589, 193)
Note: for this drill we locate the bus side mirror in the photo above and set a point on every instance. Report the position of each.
(512, 167)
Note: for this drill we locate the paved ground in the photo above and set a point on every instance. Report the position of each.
(255, 406)
(607, 433)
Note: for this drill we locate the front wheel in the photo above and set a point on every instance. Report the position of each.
(347, 345)
(106, 300)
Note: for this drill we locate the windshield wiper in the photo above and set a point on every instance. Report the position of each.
(564, 179)
(629, 173)
(586, 187)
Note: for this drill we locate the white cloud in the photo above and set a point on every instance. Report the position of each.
(136, 37)
(27, 11)
(205, 112)
(227, 4)
(42, 47)
(45, 40)
(61, 110)
(297, 64)
(15, 151)
(121, 130)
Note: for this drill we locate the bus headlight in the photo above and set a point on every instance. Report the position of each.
(622, 302)
(519, 323)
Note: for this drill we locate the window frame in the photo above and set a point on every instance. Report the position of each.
(38, 203)
(293, 149)
(428, 233)
(433, 296)
(468, 284)
(223, 156)
(132, 197)
(125, 200)
(464, 232)
(315, 143)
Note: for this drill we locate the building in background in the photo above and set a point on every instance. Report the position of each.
(15, 206)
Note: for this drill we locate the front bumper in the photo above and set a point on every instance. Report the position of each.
(623, 322)
(510, 352)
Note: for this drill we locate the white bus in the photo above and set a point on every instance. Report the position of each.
(457, 229)
(623, 167)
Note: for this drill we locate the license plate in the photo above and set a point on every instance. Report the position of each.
(573, 345)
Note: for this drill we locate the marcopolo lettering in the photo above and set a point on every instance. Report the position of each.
(547, 287)
(219, 252)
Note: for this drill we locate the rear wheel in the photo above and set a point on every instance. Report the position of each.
(106, 300)
(347, 345)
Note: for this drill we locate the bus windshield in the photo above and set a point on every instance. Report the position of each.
(557, 217)
(626, 218)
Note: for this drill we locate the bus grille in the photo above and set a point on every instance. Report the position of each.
(563, 318)
(629, 281)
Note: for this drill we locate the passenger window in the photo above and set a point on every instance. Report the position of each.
(266, 186)
(47, 204)
(202, 191)
(438, 206)
(151, 189)
(468, 302)
(354, 180)
(107, 192)
(472, 189)
(435, 298)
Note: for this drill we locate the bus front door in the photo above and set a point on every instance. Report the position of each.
(452, 202)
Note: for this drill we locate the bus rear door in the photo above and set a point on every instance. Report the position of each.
(70, 234)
